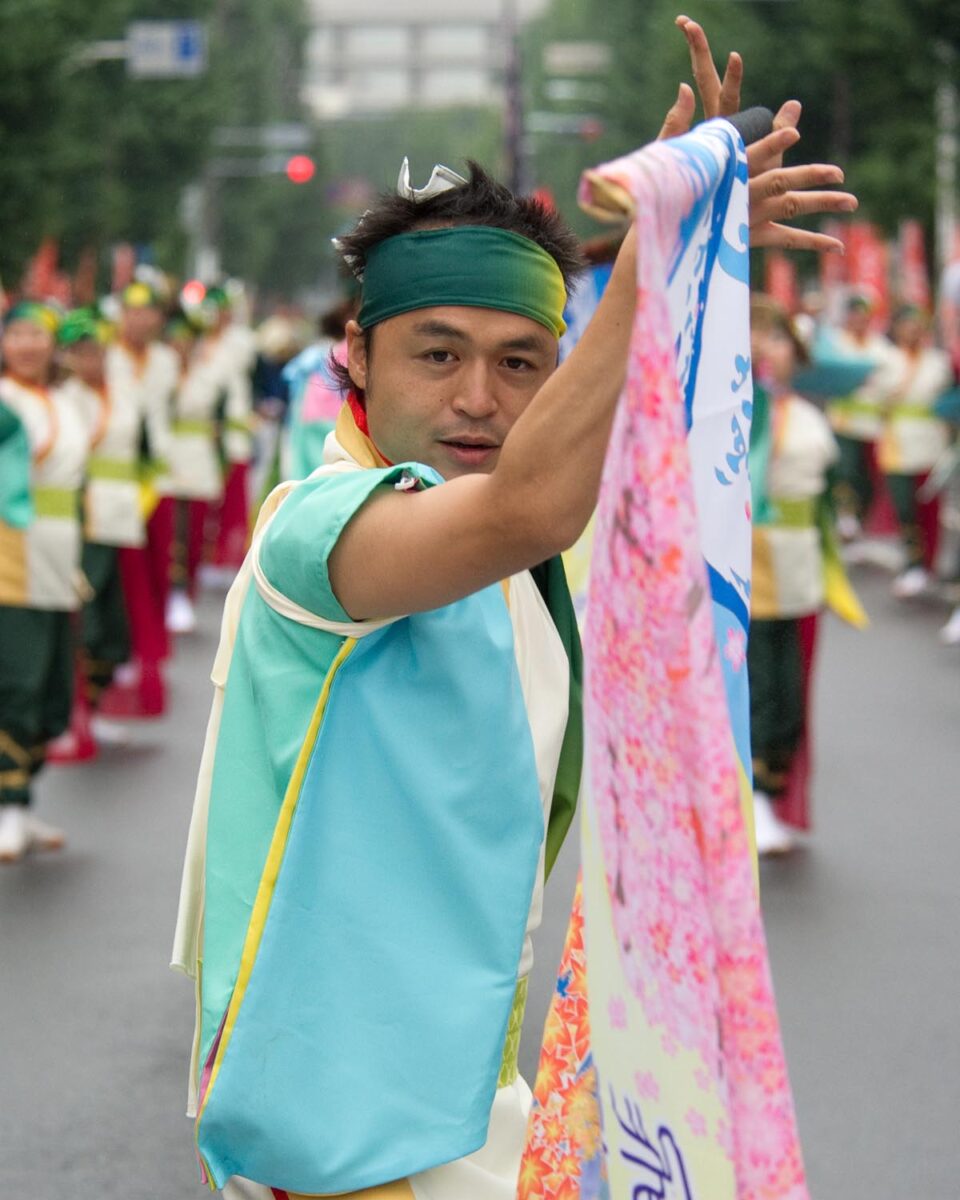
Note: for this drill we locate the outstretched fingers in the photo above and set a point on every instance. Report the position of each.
(785, 237)
(680, 117)
(730, 88)
(720, 98)
(767, 154)
(790, 192)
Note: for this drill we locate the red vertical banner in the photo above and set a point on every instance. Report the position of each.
(833, 273)
(780, 279)
(124, 265)
(41, 273)
(914, 275)
(868, 267)
(85, 277)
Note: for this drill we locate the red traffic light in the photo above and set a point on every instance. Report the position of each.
(301, 169)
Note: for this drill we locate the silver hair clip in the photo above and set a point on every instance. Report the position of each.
(442, 179)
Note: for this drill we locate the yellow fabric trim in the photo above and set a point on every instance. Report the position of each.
(794, 514)
(55, 502)
(839, 595)
(913, 412)
(14, 779)
(113, 468)
(14, 586)
(271, 870)
(763, 585)
(855, 408)
(13, 749)
(193, 425)
(357, 444)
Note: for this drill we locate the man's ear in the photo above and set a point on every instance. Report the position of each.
(356, 354)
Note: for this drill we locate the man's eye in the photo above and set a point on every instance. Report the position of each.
(439, 356)
(517, 364)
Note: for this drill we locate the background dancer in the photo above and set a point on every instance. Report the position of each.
(45, 446)
(142, 372)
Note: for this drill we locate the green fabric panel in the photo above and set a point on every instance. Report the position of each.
(16, 506)
(36, 686)
(105, 631)
(551, 580)
(307, 439)
(510, 1064)
(301, 537)
(775, 667)
(759, 457)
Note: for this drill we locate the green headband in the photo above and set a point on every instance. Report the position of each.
(478, 266)
(83, 324)
(36, 312)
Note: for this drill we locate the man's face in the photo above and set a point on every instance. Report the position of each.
(27, 350)
(445, 385)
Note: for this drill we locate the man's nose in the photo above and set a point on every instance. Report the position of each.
(475, 396)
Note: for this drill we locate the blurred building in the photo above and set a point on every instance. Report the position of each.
(370, 56)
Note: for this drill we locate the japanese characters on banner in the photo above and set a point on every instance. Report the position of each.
(780, 280)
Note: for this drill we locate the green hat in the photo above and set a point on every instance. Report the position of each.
(217, 297)
(35, 311)
(84, 324)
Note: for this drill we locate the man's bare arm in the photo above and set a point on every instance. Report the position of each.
(407, 553)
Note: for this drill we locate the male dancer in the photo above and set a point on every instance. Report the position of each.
(396, 713)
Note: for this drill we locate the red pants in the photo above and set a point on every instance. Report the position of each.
(145, 573)
(233, 518)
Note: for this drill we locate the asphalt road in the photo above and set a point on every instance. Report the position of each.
(864, 928)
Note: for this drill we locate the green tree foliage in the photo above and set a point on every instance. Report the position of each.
(91, 156)
(866, 74)
(271, 230)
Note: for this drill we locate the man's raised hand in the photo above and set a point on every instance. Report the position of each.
(777, 193)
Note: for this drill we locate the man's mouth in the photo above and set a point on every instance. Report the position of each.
(472, 451)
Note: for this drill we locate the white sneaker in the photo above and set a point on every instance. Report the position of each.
(127, 675)
(14, 839)
(773, 837)
(109, 733)
(41, 836)
(848, 527)
(913, 582)
(216, 578)
(180, 615)
(950, 633)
